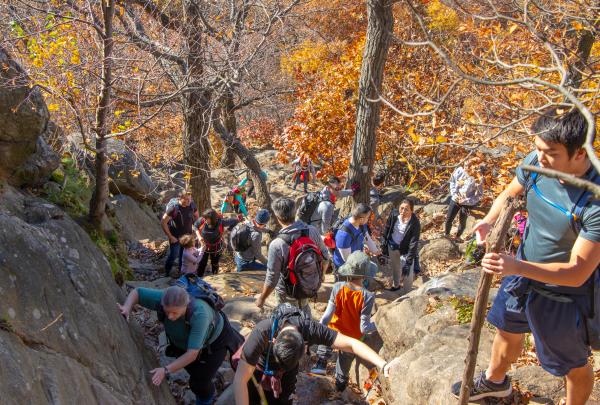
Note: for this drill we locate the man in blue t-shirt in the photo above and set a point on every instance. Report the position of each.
(546, 289)
(353, 234)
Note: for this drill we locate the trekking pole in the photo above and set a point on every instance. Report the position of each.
(495, 242)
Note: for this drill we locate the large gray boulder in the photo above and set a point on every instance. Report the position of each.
(126, 171)
(62, 339)
(439, 249)
(25, 158)
(137, 220)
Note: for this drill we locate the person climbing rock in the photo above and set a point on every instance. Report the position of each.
(304, 171)
(199, 336)
(248, 183)
(246, 240)
(235, 202)
(375, 196)
(348, 312)
(177, 221)
(209, 230)
(322, 217)
(279, 254)
(548, 289)
(401, 243)
(272, 352)
(466, 190)
(191, 254)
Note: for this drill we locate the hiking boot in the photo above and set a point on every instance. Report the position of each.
(483, 388)
(320, 367)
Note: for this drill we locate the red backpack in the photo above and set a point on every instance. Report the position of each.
(303, 274)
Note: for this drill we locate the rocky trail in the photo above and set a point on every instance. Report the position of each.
(425, 329)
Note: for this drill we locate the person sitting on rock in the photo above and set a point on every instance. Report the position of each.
(199, 336)
(234, 202)
(209, 230)
(191, 254)
(304, 171)
(401, 243)
(348, 312)
(466, 190)
(551, 288)
(352, 236)
(248, 183)
(251, 258)
(279, 251)
(177, 221)
(322, 217)
(273, 350)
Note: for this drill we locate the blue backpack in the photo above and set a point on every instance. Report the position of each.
(197, 289)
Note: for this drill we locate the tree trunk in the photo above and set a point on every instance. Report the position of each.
(379, 28)
(230, 124)
(100, 196)
(575, 70)
(197, 114)
(197, 111)
(263, 199)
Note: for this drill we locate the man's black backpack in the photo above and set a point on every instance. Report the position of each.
(307, 207)
(241, 237)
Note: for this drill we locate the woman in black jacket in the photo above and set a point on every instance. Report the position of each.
(401, 243)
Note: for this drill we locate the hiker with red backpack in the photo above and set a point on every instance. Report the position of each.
(246, 239)
(209, 230)
(296, 262)
(235, 202)
(304, 171)
(198, 332)
(271, 355)
(179, 216)
(317, 208)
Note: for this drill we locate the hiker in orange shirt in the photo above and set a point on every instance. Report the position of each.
(348, 312)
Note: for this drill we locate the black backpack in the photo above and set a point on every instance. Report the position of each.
(241, 237)
(308, 205)
(177, 222)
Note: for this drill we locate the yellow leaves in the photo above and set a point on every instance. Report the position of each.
(577, 25)
(442, 17)
(52, 107)
(512, 28)
(187, 175)
(440, 139)
(135, 173)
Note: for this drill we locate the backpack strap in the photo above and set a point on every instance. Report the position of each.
(580, 205)
(351, 232)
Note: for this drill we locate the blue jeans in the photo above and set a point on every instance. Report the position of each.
(242, 264)
(175, 250)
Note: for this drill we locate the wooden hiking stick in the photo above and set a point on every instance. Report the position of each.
(495, 242)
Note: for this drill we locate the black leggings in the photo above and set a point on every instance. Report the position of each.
(462, 211)
(214, 263)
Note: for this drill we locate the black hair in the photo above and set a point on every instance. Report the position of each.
(378, 179)
(410, 203)
(288, 348)
(361, 210)
(284, 209)
(566, 128)
(211, 216)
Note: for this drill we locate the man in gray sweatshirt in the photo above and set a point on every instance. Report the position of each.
(277, 257)
(323, 216)
(252, 257)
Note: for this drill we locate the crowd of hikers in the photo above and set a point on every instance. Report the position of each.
(548, 285)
